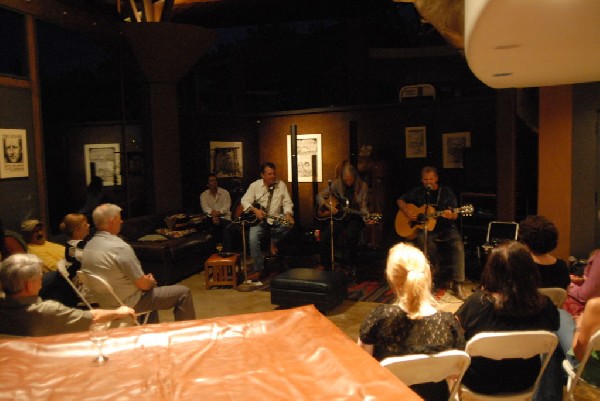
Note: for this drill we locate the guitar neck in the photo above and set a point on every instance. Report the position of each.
(440, 212)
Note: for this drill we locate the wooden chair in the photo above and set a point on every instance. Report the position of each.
(574, 374)
(421, 368)
(511, 344)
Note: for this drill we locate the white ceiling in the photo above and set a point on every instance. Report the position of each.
(529, 43)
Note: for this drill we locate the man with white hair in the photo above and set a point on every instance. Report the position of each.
(108, 256)
(23, 313)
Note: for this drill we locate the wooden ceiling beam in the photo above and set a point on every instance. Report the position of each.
(80, 16)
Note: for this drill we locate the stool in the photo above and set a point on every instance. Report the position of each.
(301, 286)
(221, 270)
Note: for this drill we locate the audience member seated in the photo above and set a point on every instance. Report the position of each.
(509, 300)
(10, 243)
(23, 313)
(574, 335)
(412, 324)
(111, 258)
(540, 236)
(216, 204)
(76, 228)
(53, 285)
(586, 287)
(34, 234)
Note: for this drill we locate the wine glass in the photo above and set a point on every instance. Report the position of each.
(99, 334)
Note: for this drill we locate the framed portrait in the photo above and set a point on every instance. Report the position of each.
(226, 159)
(309, 157)
(104, 161)
(14, 163)
(453, 145)
(416, 142)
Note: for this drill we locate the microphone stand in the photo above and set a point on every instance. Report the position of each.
(331, 226)
(245, 286)
(425, 222)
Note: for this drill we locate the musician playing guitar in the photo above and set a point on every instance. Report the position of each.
(347, 185)
(442, 198)
(265, 197)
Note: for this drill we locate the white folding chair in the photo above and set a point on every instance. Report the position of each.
(422, 368)
(62, 269)
(511, 344)
(575, 373)
(101, 287)
(556, 294)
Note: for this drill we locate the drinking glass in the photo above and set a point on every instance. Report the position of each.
(99, 334)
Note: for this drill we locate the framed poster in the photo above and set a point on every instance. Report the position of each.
(14, 163)
(226, 159)
(416, 142)
(310, 162)
(103, 160)
(453, 145)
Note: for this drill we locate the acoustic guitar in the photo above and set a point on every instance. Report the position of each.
(248, 216)
(341, 204)
(409, 229)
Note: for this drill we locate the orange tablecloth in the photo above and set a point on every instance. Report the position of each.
(295, 354)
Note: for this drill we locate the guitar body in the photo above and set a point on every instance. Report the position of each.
(323, 211)
(409, 229)
(340, 203)
(250, 218)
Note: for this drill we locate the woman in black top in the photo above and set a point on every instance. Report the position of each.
(541, 237)
(412, 324)
(508, 301)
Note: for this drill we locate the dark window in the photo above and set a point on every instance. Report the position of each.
(12, 44)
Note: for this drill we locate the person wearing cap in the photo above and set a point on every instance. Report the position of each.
(34, 234)
(23, 313)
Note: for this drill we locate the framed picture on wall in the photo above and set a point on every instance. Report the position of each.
(14, 163)
(309, 157)
(226, 159)
(104, 161)
(453, 145)
(416, 142)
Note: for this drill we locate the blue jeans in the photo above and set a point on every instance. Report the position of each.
(256, 233)
(552, 382)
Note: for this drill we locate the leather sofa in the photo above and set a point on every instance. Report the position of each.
(170, 260)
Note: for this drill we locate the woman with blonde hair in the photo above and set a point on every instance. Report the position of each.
(77, 229)
(412, 324)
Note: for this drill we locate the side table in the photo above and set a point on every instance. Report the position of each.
(221, 270)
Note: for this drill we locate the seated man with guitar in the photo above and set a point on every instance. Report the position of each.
(414, 219)
(343, 203)
(269, 201)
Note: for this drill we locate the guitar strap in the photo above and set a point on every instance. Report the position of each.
(268, 208)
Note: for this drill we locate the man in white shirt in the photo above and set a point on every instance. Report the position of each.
(216, 203)
(268, 198)
(111, 258)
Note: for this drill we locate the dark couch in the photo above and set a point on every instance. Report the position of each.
(172, 260)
